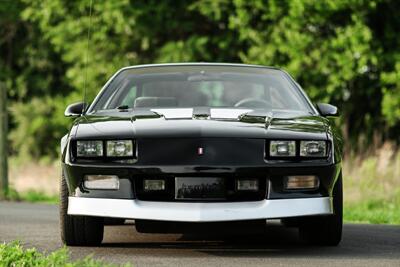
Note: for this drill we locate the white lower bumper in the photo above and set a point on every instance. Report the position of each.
(199, 212)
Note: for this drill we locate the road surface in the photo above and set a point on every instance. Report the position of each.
(36, 225)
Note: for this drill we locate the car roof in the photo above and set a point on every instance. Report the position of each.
(199, 64)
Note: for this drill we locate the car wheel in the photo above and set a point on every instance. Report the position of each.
(325, 230)
(78, 230)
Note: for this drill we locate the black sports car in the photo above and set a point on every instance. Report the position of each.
(177, 147)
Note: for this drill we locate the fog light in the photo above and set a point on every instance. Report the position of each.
(302, 182)
(154, 185)
(247, 185)
(107, 182)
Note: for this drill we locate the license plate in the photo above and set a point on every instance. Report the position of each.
(199, 188)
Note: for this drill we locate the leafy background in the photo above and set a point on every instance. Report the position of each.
(345, 52)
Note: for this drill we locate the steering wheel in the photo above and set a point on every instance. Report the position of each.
(252, 103)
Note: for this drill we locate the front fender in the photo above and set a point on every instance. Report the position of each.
(63, 143)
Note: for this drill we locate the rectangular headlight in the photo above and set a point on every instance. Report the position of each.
(313, 149)
(282, 148)
(89, 148)
(105, 182)
(120, 148)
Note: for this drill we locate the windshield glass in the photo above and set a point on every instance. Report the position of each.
(202, 86)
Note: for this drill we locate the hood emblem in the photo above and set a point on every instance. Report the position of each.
(200, 151)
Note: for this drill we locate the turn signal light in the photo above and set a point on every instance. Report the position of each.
(301, 182)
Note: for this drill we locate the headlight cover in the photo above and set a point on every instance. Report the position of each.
(120, 148)
(89, 148)
(313, 148)
(282, 148)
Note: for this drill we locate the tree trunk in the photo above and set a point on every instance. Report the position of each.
(3, 142)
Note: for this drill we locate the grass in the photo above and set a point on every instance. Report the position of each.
(372, 211)
(32, 196)
(14, 254)
(372, 187)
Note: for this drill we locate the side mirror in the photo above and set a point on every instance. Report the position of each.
(328, 110)
(75, 110)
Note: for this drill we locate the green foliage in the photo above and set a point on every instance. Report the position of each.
(31, 196)
(38, 197)
(391, 95)
(41, 123)
(372, 187)
(373, 211)
(13, 254)
(12, 195)
(342, 52)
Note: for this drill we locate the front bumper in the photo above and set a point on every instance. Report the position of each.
(199, 212)
(130, 179)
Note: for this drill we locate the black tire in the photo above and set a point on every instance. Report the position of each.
(325, 230)
(78, 230)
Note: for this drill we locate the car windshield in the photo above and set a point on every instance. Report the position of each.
(218, 86)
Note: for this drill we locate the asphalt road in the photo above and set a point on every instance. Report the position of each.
(36, 225)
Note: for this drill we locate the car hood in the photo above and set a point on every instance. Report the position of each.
(181, 123)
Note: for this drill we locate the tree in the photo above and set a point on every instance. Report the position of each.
(342, 52)
(3, 143)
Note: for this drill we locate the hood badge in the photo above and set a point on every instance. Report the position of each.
(200, 151)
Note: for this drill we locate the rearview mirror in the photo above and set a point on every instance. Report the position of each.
(327, 110)
(75, 110)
